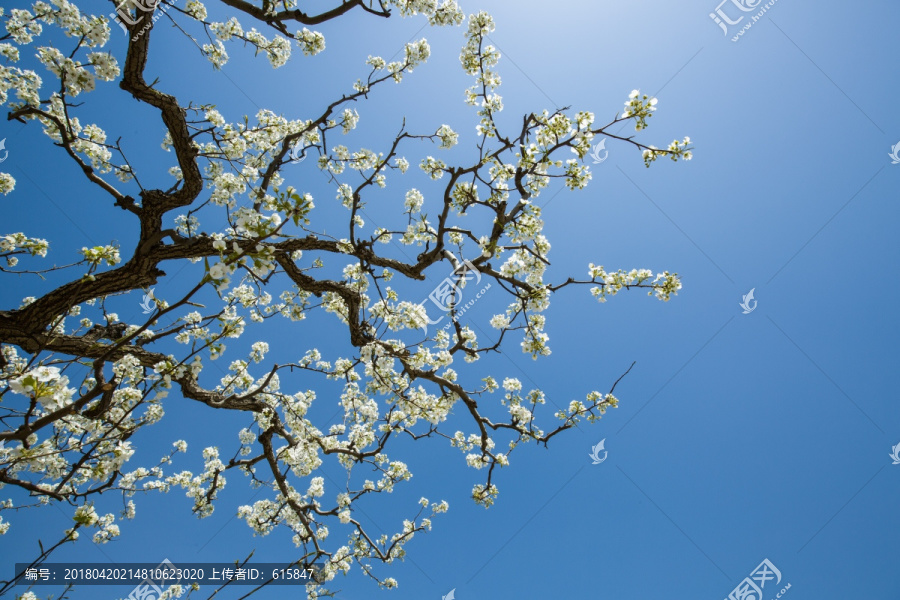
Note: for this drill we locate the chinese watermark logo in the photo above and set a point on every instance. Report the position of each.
(297, 154)
(595, 152)
(751, 588)
(895, 154)
(723, 19)
(163, 575)
(895, 454)
(747, 299)
(595, 453)
(6, 152)
(448, 295)
(123, 15)
(148, 303)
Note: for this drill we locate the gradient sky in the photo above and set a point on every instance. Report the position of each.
(738, 438)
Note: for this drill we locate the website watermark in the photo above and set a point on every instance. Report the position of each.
(448, 295)
(597, 150)
(895, 154)
(747, 299)
(148, 302)
(297, 153)
(595, 453)
(151, 588)
(751, 588)
(142, 9)
(738, 8)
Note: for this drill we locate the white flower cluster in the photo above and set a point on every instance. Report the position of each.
(225, 31)
(20, 242)
(485, 495)
(445, 13)
(675, 151)
(478, 59)
(447, 136)
(640, 108)
(105, 66)
(23, 26)
(216, 53)
(96, 255)
(278, 49)
(416, 53)
(203, 488)
(46, 385)
(86, 516)
(414, 201)
(350, 120)
(196, 9)
(593, 408)
(91, 142)
(187, 225)
(663, 285)
(7, 181)
(311, 42)
(434, 167)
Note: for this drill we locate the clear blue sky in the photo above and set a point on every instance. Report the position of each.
(738, 437)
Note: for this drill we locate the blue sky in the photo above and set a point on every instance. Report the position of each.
(738, 438)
